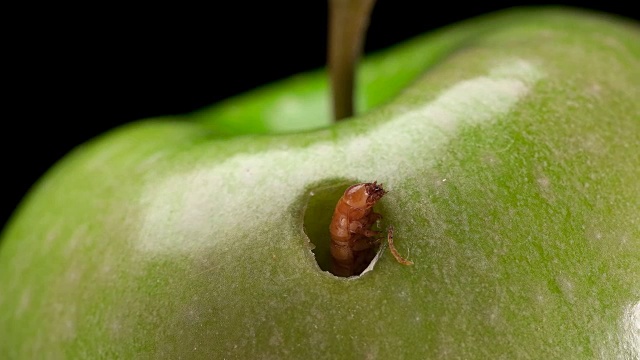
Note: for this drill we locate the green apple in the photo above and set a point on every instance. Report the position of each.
(510, 147)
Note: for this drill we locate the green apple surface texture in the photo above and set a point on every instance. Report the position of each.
(510, 146)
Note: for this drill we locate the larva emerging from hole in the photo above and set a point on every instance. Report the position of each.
(353, 243)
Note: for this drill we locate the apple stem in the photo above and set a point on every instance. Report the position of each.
(348, 21)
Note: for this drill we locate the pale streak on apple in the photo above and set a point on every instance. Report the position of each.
(631, 328)
(212, 190)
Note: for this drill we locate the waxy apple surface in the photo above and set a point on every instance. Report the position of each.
(512, 165)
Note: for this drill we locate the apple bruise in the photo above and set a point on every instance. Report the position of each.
(353, 243)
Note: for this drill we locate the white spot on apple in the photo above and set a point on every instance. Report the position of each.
(567, 288)
(149, 162)
(543, 181)
(276, 338)
(66, 314)
(76, 238)
(595, 90)
(25, 300)
(50, 237)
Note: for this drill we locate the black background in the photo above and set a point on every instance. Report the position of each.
(76, 72)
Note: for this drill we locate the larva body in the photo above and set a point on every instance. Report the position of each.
(353, 243)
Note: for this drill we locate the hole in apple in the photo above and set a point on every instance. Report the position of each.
(318, 213)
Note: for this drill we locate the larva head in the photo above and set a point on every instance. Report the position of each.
(364, 195)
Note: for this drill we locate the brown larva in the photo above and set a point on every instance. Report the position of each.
(353, 243)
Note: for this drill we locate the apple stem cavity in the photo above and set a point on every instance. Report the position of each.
(348, 22)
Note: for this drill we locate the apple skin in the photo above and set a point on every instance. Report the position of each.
(512, 166)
